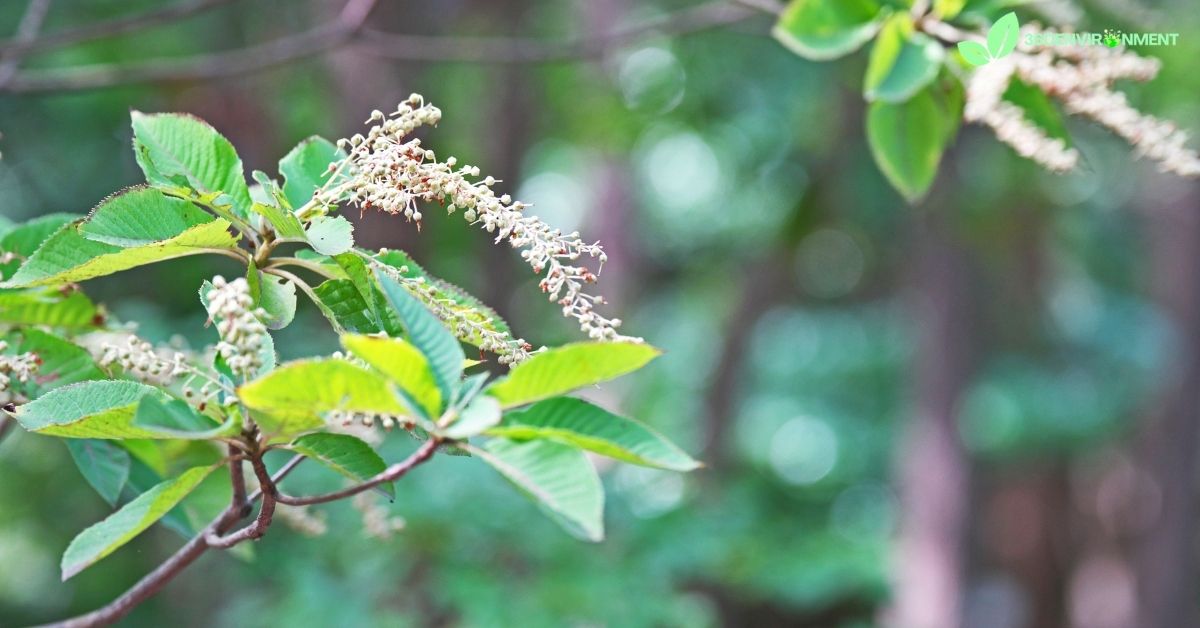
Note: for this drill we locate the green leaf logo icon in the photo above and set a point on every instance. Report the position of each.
(1001, 41)
(974, 52)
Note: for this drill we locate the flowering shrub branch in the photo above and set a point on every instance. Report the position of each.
(67, 371)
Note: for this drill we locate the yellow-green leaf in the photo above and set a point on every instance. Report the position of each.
(579, 423)
(132, 519)
(563, 369)
(403, 364)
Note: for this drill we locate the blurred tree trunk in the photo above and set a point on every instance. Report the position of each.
(1166, 554)
(933, 467)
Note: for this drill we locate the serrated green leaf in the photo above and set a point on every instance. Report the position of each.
(330, 235)
(25, 238)
(559, 478)
(176, 419)
(826, 29)
(176, 150)
(306, 168)
(563, 369)
(141, 216)
(341, 303)
(384, 317)
(48, 307)
(63, 363)
(1002, 37)
(275, 295)
(974, 52)
(428, 334)
(481, 414)
(94, 409)
(67, 256)
(132, 519)
(403, 364)
(299, 393)
(907, 140)
(345, 454)
(579, 423)
(465, 304)
(104, 465)
(902, 62)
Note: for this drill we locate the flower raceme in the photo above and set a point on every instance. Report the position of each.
(239, 323)
(388, 171)
(21, 367)
(1081, 77)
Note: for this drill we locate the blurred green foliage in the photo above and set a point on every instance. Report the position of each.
(739, 158)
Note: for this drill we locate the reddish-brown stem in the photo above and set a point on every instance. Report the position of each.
(266, 513)
(153, 581)
(394, 472)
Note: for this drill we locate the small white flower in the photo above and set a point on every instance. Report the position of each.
(1081, 77)
(390, 172)
(243, 334)
(21, 368)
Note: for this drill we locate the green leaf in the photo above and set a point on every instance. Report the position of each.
(464, 304)
(67, 256)
(140, 216)
(559, 478)
(902, 62)
(176, 150)
(826, 29)
(428, 334)
(330, 235)
(1038, 108)
(306, 168)
(384, 318)
(94, 409)
(49, 307)
(276, 296)
(948, 9)
(63, 363)
(286, 223)
(579, 423)
(299, 393)
(974, 52)
(132, 519)
(1002, 37)
(569, 367)
(907, 140)
(345, 307)
(177, 420)
(104, 465)
(403, 364)
(345, 454)
(25, 238)
(481, 414)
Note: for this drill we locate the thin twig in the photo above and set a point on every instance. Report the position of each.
(205, 67)
(283, 472)
(510, 50)
(152, 582)
(392, 473)
(27, 30)
(348, 30)
(300, 263)
(110, 28)
(266, 512)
